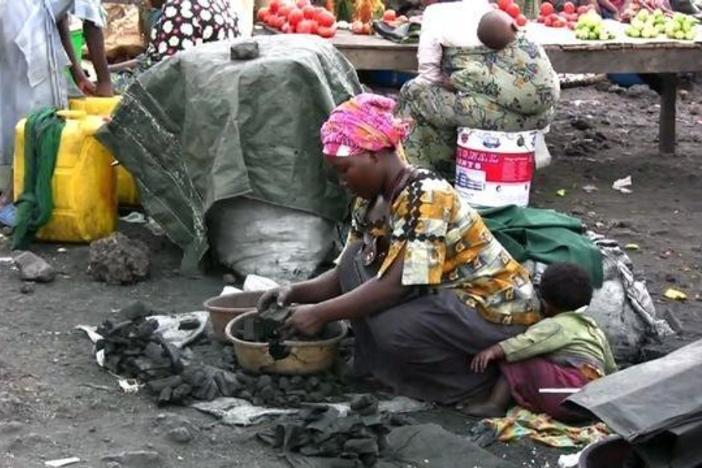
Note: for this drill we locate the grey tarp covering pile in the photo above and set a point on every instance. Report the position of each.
(199, 128)
(656, 406)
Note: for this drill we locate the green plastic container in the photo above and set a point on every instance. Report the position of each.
(78, 41)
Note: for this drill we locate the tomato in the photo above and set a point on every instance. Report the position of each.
(571, 25)
(513, 10)
(559, 23)
(521, 20)
(284, 10)
(326, 19)
(547, 9)
(295, 16)
(309, 12)
(504, 4)
(302, 3)
(389, 15)
(286, 28)
(554, 17)
(326, 31)
(367, 29)
(306, 26)
(548, 22)
(569, 8)
(262, 13)
(274, 6)
(357, 27)
(540, 19)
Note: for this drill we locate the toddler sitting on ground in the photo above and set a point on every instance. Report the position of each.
(565, 350)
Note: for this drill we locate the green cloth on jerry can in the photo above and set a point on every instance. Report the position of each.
(42, 137)
(544, 236)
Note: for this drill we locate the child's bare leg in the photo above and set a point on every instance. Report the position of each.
(496, 405)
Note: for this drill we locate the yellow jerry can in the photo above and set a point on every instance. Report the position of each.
(83, 185)
(127, 191)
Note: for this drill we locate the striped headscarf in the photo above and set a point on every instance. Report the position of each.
(363, 123)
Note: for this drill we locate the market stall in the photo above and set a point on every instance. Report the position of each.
(568, 55)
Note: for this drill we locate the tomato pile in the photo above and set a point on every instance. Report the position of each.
(566, 18)
(513, 10)
(300, 18)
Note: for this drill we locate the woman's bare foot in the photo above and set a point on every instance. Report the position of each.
(484, 410)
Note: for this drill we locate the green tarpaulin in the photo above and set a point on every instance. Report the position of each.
(199, 128)
(544, 236)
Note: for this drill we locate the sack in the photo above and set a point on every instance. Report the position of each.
(254, 237)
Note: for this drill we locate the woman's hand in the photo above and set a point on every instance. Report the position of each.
(280, 295)
(485, 357)
(306, 319)
(86, 86)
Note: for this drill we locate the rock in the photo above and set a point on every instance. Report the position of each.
(34, 268)
(581, 123)
(641, 91)
(135, 459)
(245, 50)
(683, 93)
(180, 435)
(29, 443)
(119, 260)
(27, 288)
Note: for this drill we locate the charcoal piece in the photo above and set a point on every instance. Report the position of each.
(156, 386)
(245, 378)
(195, 376)
(212, 391)
(257, 401)
(172, 353)
(362, 446)
(267, 394)
(326, 389)
(284, 383)
(265, 381)
(245, 395)
(315, 396)
(294, 401)
(164, 396)
(181, 392)
(189, 324)
(369, 459)
(277, 350)
(297, 381)
(365, 404)
(153, 351)
(145, 329)
(313, 382)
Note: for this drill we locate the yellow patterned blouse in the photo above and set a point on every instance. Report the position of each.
(447, 245)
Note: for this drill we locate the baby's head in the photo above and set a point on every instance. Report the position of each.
(565, 287)
(497, 30)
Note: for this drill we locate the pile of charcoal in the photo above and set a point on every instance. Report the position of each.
(355, 440)
(133, 348)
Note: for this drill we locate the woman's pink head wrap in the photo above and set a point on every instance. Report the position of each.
(361, 124)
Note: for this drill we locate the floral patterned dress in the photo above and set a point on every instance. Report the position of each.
(514, 89)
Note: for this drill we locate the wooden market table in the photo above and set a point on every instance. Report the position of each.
(568, 55)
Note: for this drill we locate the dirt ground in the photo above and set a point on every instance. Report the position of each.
(55, 402)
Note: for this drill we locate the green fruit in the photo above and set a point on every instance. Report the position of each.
(642, 15)
(632, 32)
(679, 35)
(690, 36)
(638, 24)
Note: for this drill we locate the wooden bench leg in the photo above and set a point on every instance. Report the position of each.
(666, 129)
